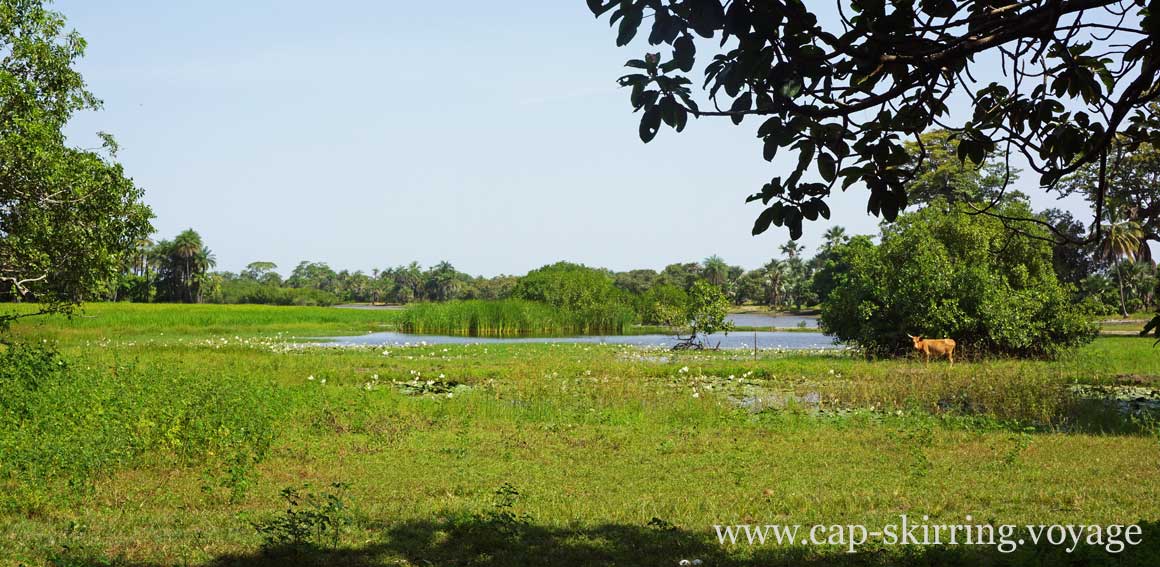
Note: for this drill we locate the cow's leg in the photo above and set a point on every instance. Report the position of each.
(951, 356)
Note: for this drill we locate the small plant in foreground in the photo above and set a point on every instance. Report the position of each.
(311, 519)
(503, 517)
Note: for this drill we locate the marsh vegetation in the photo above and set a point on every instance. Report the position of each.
(198, 417)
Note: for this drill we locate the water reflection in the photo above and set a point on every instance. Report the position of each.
(765, 340)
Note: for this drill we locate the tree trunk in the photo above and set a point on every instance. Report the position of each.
(1123, 303)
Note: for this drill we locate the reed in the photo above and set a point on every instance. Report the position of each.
(511, 317)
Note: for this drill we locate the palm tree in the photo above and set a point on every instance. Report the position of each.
(716, 270)
(141, 252)
(791, 249)
(774, 272)
(187, 247)
(1123, 240)
(835, 236)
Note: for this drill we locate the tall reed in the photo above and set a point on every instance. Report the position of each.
(511, 317)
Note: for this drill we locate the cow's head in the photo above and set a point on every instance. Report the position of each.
(917, 340)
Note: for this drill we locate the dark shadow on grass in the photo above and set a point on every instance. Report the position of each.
(488, 543)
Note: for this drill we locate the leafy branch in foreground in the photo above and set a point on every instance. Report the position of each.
(845, 93)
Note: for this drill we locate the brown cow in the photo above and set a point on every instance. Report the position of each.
(937, 347)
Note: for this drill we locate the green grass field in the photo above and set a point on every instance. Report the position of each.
(166, 435)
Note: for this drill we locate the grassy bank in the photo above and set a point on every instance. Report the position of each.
(543, 454)
(158, 320)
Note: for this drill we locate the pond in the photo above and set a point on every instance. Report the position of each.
(765, 340)
(768, 320)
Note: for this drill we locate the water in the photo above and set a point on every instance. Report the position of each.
(763, 320)
(765, 340)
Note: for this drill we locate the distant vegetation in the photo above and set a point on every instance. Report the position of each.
(939, 272)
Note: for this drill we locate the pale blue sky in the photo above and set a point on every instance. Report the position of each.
(369, 134)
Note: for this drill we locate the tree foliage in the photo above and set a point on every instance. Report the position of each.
(705, 312)
(69, 218)
(575, 288)
(846, 93)
(183, 267)
(939, 274)
(1133, 188)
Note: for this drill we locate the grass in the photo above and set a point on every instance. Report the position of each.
(538, 454)
(157, 320)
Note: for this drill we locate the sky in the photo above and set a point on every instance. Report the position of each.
(369, 134)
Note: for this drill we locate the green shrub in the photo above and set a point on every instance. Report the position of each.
(588, 294)
(311, 519)
(662, 305)
(950, 274)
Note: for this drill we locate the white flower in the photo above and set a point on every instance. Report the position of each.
(323, 381)
(441, 376)
(696, 394)
(311, 377)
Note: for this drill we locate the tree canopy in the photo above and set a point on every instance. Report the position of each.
(847, 93)
(69, 217)
(947, 274)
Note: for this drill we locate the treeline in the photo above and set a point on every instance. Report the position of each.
(180, 270)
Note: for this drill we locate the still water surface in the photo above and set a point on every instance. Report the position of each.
(765, 339)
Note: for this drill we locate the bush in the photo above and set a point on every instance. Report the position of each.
(949, 274)
(663, 305)
(587, 293)
(243, 291)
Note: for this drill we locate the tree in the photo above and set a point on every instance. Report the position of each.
(663, 305)
(69, 218)
(951, 274)
(792, 249)
(572, 287)
(262, 272)
(183, 266)
(716, 270)
(705, 313)
(1073, 262)
(681, 275)
(834, 236)
(774, 273)
(942, 175)
(313, 275)
(836, 263)
(1133, 186)
(442, 281)
(845, 93)
(636, 281)
(1122, 241)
